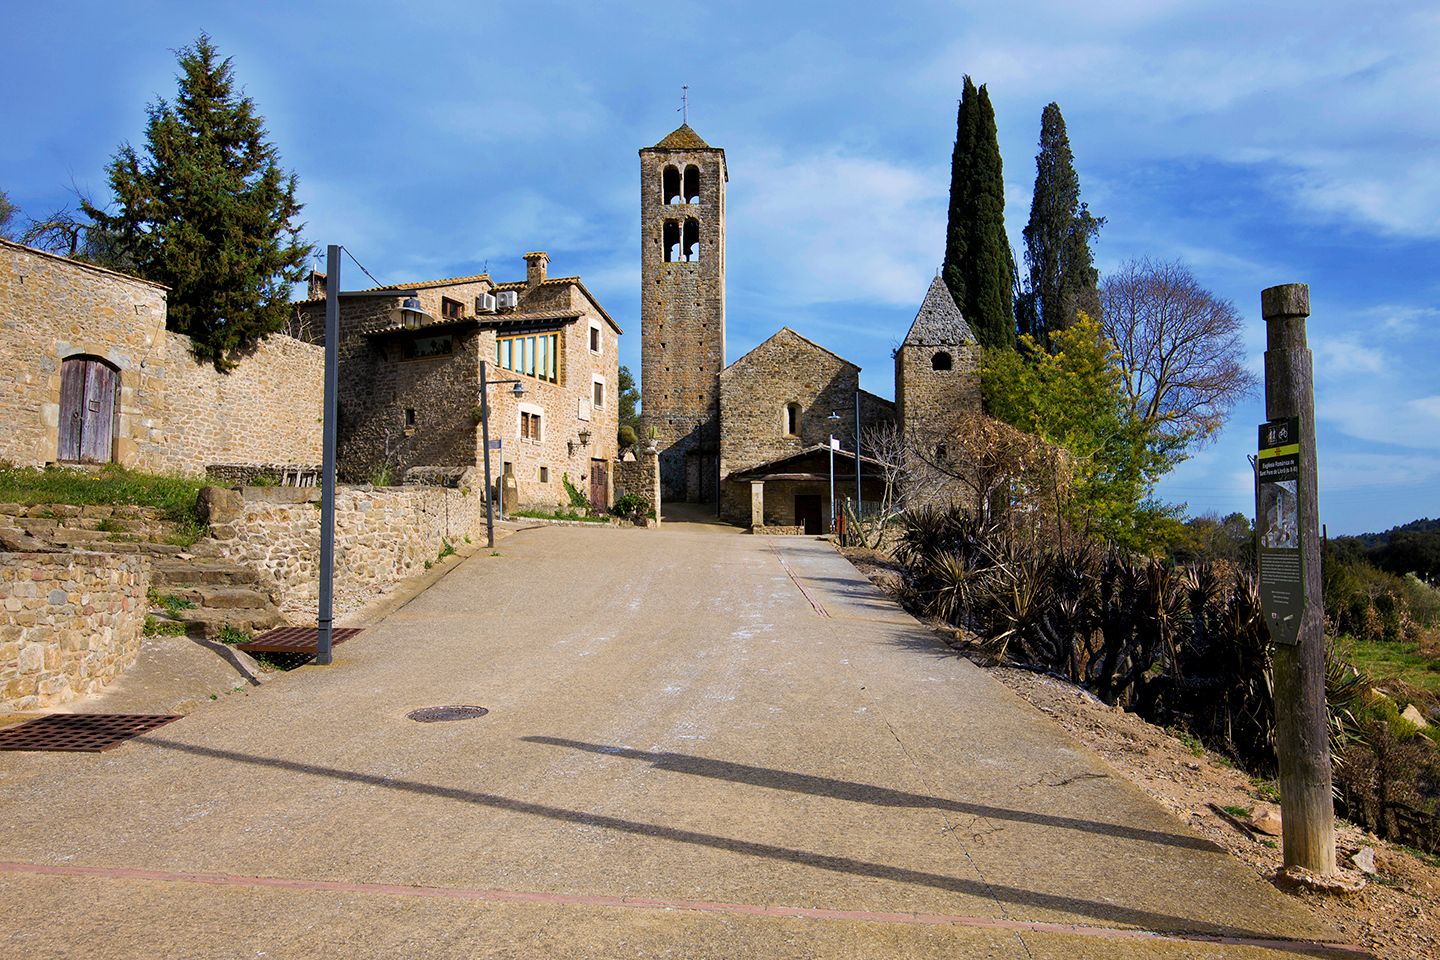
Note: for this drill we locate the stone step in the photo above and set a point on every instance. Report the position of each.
(208, 621)
(224, 597)
(154, 549)
(178, 572)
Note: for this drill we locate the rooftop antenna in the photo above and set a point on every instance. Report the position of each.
(684, 108)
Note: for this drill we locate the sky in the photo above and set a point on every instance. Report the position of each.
(1259, 143)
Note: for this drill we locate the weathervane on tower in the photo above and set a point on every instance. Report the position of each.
(684, 108)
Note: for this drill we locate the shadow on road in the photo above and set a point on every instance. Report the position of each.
(1107, 912)
(866, 793)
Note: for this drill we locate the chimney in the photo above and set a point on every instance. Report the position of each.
(535, 269)
(317, 285)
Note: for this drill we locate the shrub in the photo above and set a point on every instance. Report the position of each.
(625, 436)
(632, 506)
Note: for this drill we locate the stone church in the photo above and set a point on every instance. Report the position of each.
(754, 437)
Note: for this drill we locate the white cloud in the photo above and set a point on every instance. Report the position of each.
(836, 226)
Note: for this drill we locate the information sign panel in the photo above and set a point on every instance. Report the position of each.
(1277, 525)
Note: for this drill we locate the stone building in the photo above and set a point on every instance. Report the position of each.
(409, 395)
(754, 433)
(89, 374)
(780, 404)
(682, 309)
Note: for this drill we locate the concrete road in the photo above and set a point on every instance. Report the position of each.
(698, 746)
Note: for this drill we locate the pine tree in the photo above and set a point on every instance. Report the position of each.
(979, 268)
(208, 211)
(1063, 279)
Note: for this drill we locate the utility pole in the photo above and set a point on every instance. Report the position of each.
(859, 495)
(326, 615)
(485, 443)
(1302, 729)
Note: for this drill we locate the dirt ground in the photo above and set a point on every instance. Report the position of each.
(1397, 914)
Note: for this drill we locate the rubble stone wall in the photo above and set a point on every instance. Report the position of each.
(383, 535)
(70, 623)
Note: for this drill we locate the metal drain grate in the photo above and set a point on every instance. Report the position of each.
(295, 639)
(79, 732)
(438, 714)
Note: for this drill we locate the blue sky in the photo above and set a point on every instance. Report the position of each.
(1261, 143)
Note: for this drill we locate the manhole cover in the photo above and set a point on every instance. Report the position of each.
(437, 714)
(79, 732)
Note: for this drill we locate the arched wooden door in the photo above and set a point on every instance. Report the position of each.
(87, 409)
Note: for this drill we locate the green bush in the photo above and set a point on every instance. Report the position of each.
(632, 506)
(625, 436)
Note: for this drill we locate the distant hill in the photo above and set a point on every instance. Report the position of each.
(1411, 548)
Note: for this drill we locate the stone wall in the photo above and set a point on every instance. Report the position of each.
(931, 400)
(682, 317)
(70, 624)
(383, 535)
(640, 476)
(267, 410)
(173, 414)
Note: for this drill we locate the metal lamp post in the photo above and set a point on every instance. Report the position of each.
(517, 391)
(833, 416)
(411, 315)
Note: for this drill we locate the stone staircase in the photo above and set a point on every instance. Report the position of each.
(212, 593)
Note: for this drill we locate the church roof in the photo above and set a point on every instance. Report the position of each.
(784, 331)
(939, 322)
(682, 138)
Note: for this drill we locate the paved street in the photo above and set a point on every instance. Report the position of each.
(699, 745)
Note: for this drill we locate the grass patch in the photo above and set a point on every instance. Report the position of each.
(232, 635)
(559, 515)
(110, 525)
(1395, 659)
(446, 550)
(1189, 739)
(1239, 813)
(111, 485)
(172, 604)
(1267, 790)
(155, 627)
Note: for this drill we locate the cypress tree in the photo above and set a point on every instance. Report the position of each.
(979, 268)
(1063, 279)
(208, 211)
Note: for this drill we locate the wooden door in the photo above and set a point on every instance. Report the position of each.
(599, 485)
(87, 410)
(808, 513)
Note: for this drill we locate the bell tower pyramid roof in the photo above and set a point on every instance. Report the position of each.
(683, 138)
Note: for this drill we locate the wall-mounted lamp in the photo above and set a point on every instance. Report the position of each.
(412, 313)
(584, 438)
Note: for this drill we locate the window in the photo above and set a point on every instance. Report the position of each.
(599, 390)
(535, 355)
(544, 474)
(451, 309)
(671, 241)
(529, 425)
(424, 348)
(792, 419)
(594, 338)
(941, 361)
(410, 418)
(692, 184)
(670, 186)
(691, 251)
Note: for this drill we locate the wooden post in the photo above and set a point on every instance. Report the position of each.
(1302, 729)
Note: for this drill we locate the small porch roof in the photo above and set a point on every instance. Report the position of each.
(812, 463)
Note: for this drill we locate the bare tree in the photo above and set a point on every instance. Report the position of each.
(8, 213)
(1180, 350)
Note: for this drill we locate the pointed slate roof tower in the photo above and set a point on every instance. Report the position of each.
(937, 367)
(939, 322)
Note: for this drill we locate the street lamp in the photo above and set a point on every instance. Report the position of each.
(517, 392)
(833, 444)
(411, 315)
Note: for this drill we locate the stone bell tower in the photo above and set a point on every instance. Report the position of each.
(682, 312)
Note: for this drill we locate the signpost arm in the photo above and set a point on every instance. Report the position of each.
(1302, 729)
